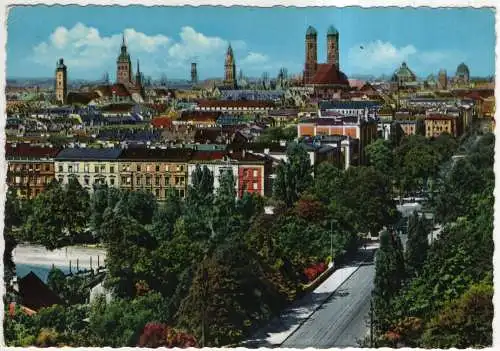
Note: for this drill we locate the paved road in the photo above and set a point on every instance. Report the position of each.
(342, 320)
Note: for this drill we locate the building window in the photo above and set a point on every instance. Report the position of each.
(111, 169)
(86, 167)
(157, 193)
(103, 168)
(112, 181)
(157, 181)
(157, 168)
(255, 185)
(86, 180)
(124, 180)
(180, 193)
(255, 173)
(148, 181)
(60, 168)
(138, 181)
(70, 168)
(138, 168)
(96, 169)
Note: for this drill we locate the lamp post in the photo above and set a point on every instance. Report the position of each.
(331, 242)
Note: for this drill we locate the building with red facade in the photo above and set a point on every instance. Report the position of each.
(30, 168)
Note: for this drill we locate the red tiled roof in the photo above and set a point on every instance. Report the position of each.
(328, 74)
(105, 90)
(158, 107)
(119, 90)
(81, 97)
(29, 151)
(235, 103)
(161, 122)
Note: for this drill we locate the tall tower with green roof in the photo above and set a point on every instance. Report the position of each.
(332, 45)
(311, 63)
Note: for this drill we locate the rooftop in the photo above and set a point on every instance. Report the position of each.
(329, 74)
(89, 154)
(24, 150)
(170, 154)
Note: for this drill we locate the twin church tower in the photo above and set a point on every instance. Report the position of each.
(332, 56)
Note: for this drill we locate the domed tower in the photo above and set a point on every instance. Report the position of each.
(61, 82)
(124, 65)
(311, 63)
(462, 75)
(230, 68)
(332, 45)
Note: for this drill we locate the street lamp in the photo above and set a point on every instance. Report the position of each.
(331, 242)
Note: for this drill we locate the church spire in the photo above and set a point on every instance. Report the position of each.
(124, 44)
(138, 76)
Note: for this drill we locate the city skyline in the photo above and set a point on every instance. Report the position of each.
(368, 45)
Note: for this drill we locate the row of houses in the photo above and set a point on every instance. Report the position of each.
(32, 168)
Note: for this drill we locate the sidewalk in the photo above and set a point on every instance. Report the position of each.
(280, 328)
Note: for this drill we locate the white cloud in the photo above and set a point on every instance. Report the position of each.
(378, 55)
(254, 58)
(88, 53)
(83, 47)
(383, 57)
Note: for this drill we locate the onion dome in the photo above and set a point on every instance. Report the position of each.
(60, 64)
(311, 31)
(462, 70)
(332, 31)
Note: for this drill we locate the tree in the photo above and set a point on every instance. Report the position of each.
(293, 176)
(13, 218)
(165, 217)
(417, 245)
(56, 281)
(121, 322)
(366, 192)
(379, 154)
(141, 205)
(231, 292)
(328, 182)
(389, 276)
(465, 322)
(224, 221)
(129, 247)
(160, 335)
(277, 134)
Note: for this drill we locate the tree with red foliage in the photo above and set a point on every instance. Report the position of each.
(314, 271)
(308, 207)
(161, 335)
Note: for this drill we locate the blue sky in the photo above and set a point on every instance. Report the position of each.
(166, 39)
